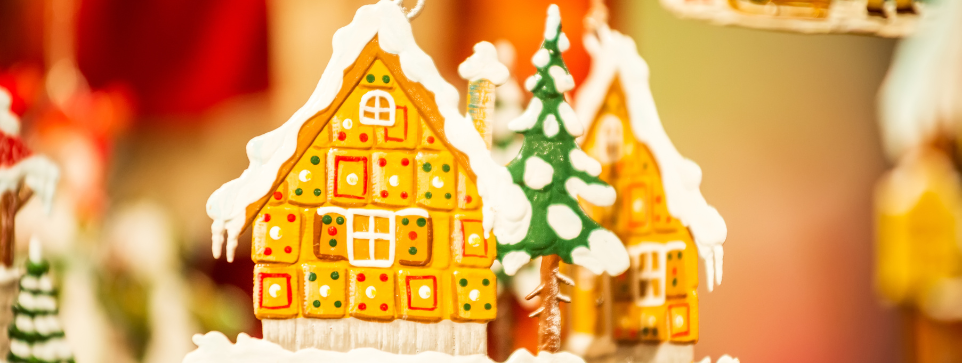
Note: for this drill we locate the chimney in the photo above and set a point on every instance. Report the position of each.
(483, 72)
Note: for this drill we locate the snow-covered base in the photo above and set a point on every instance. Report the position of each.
(215, 347)
(8, 291)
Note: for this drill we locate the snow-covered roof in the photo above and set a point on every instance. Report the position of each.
(267, 153)
(919, 100)
(615, 55)
(18, 164)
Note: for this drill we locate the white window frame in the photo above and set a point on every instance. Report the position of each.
(371, 236)
(377, 110)
(653, 250)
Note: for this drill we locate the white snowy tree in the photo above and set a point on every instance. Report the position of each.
(36, 335)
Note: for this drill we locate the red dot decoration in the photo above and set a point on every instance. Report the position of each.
(267, 217)
(278, 195)
(384, 194)
(362, 306)
(383, 307)
(668, 219)
(382, 162)
(363, 137)
(287, 249)
(657, 217)
(360, 277)
(267, 251)
(658, 199)
(341, 136)
(383, 277)
(467, 199)
(405, 162)
(332, 231)
(413, 235)
(404, 195)
(674, 270)
(430, 139)
(291, 217)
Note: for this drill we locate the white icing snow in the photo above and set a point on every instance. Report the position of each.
(570, 118)
(33, 302)
(615, 55)
(598, 194)
(484, 64)
(550, 126)
(724, 359)
(36, 172)
(9, 124)
(513, 261)
(541, 58)
(506, 211)
(920, 96)
(215, 347)
(8, 274)
(581, 161)
(531, 82)
(563, 221)
(563, 42)
(537, 173)
(528, 118)
(605, 253)
(552, 23)
(563, 82)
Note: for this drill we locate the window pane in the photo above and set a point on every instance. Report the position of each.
(361, 223)
(656, 288)
(643, 262)
(370, 102)
(643, 288)
(654, 261)
(382, 225)
(382, 249)
(362, 249)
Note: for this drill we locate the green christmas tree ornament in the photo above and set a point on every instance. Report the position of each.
(36, 335)
(554, 173)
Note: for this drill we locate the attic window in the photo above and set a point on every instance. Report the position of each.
(648, 261)
(377, 108)
(370, 237)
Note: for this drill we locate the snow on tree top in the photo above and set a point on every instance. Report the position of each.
(18, 164)
(615, 55)
(484, 64)
(268, 152)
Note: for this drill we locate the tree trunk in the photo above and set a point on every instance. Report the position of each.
(10, 203)
(549, 329)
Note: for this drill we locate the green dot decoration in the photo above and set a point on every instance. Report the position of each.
(298, 191)
(463, 282)
(405, 221)
(326, 219)
(335, 275)
(422, 221)
(337, 304)
(426, 167)
(317, 303)
(340, 220)
(413, 250)
(669, 257)
(370, 78)
(332, 242)
(679, 255)
(315, 159)
(446, 168)
(428, 195)
(674, 282)
(386, 79)
(317, 192)
(467, 307)
(447, 195)
(487, 306)
(312, 277)
(485, 282)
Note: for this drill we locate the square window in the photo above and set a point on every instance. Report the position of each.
(648, 264)
(277, 234)
(324, 290)
(468, 243)
(370, 237)
(372, 293)
(306, 182)
(348, 183)
(415, 237)
(420, 294)
(274, 295)
(678, 320)
(475, 294)
(436, 180)
(330, 233)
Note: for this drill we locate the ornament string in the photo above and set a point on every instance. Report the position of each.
(412, 12)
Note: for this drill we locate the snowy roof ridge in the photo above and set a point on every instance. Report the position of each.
(614, 54)
(268, 152)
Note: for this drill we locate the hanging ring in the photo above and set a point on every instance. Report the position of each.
(412, 12)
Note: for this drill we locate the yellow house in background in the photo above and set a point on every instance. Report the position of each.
(649, 313)
(367, 225)
(919, 210)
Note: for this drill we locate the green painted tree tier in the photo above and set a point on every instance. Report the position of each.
(36, 335)
(554, 173)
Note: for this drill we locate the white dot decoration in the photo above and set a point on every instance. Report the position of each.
(393, 180)
(638, 205)
(474, 240)
(304, 176)
(325, 290)
(437, 182)
(273, 290)
(276, 233)
(352, 179)
(679, 321)
(474, 295)
(347, 124)
(424, 292)
(370, 292)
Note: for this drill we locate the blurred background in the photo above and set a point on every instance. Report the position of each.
(148, 105)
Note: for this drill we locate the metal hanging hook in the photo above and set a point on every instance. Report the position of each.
(412, 12)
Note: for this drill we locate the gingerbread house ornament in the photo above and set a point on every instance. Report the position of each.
(372, 206)
(649, 313)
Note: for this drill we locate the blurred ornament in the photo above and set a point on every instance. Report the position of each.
(885, 18)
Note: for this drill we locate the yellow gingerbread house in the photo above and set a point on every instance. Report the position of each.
(367, 224)
(651, 310)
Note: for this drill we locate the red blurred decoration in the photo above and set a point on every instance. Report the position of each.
(175, 56)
